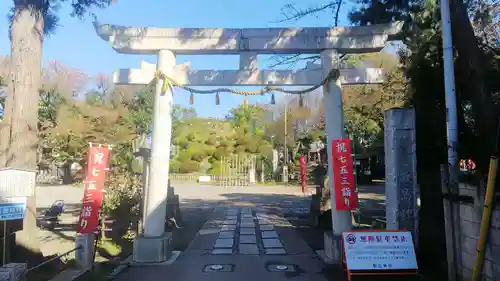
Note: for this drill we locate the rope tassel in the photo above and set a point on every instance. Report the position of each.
(217, 99)
(301, 101)
(273, 100)
(245, 101)
(191, 99)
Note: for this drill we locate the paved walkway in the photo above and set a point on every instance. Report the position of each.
(240, 243)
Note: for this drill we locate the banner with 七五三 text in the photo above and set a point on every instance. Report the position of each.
(97, 167)
(303, 172)
(346, 197)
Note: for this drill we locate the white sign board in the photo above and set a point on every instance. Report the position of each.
(204, 179)
(371, 250)
(17, 183)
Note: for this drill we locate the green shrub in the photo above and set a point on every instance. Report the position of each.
(189, 166)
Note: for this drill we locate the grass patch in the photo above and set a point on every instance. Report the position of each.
(107, 249)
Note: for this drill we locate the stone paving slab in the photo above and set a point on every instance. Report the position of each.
(224, 243)
(269, 234)
(247, 230)
(226, 234)
(247, 224)
(267, 227)
(274, 238)
(248, 239)
(275, 251)
(227, 227)
(222, 251)
(272, 243)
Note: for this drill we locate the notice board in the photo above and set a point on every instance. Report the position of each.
(379, 251)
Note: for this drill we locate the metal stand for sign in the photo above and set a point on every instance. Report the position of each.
(351, 273)
(358, 209)
(4, 249)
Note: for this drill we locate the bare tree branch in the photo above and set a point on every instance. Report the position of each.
(291, 13)
(291, 60)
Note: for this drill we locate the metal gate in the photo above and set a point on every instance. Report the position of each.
(237, 170)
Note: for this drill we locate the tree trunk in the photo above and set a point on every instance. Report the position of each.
(18, 134)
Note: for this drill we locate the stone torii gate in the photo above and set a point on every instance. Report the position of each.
(152, 246)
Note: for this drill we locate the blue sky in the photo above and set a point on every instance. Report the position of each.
(76, 44)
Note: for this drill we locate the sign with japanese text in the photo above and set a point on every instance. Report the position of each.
(12, 208)
(93, 185)
(303, 172)
(346, 198)
(371, 250)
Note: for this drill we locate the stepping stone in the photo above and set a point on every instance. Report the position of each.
(275, 251)
(227, 227)
(272, 243)
(224, 243)
(269, 234)
(230, 222)
(247, 221)
(246, 231)
(229, 217)
(247, 224)
(222, 251)
(267, 227)
(226, 234)
(249, 216)
(248, 249)
(248, 239)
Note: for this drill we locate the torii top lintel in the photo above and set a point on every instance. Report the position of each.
(196, 41)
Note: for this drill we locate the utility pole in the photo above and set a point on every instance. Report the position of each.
(450, 96)
(451, 128)
(285, 164)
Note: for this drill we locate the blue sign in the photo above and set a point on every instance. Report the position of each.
(12, 210)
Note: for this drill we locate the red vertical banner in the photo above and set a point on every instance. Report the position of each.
(97, 167)
(303, 172)
(346, 198)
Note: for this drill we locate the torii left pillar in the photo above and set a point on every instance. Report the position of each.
(153, 246)
(334, 129)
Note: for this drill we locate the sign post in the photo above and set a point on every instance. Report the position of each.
(303, 172)
(344, 186)
(10, 209)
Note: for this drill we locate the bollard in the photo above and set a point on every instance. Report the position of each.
(84, 255)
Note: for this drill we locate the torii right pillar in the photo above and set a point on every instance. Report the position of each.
(334, 129)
